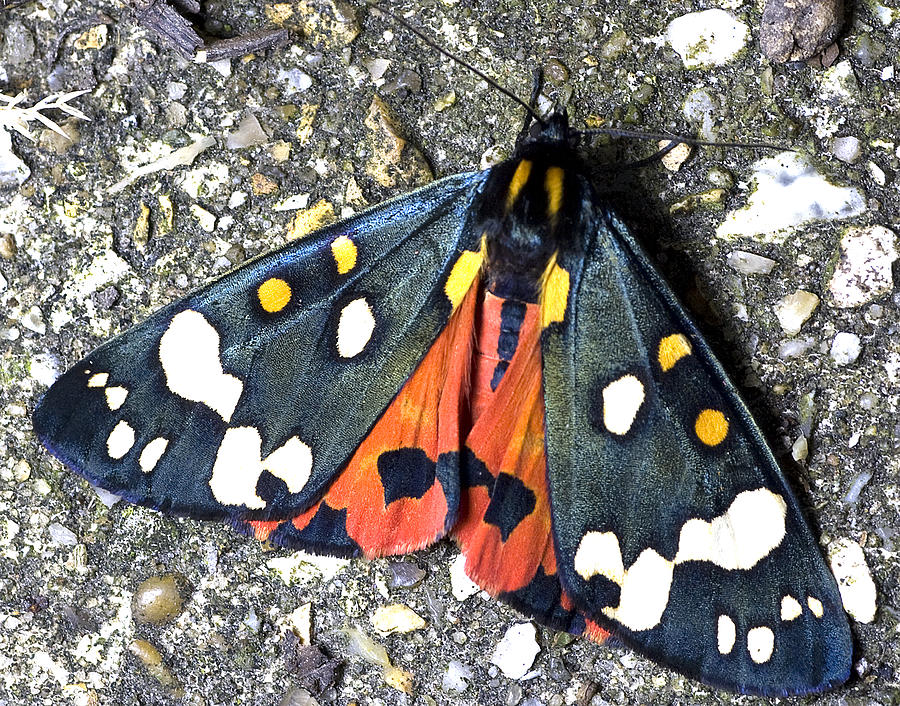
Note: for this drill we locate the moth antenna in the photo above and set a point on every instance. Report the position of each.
(678, 139)
(532, 113)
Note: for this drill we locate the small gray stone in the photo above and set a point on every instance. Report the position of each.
(513, 695)
(846, 149)
(748, 263)
(18, 45)
(405, 574)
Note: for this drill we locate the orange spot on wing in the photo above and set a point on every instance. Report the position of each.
(274, 294)
(711, 427)
(595, 632)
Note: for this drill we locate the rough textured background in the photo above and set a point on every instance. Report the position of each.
(75, 270)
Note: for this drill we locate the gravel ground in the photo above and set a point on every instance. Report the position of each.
(85, 252)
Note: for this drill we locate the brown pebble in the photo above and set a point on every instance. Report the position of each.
(797, 30)
(7, 246)
(262, 185)
(158, 600)
(556, 71)
(153, 663)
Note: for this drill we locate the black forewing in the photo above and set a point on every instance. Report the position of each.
(645, 484)
(295, 384)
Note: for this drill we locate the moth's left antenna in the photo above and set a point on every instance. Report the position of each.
(458, 59)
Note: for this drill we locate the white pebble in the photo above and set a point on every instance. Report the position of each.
(848, 564)
(295, 80)
(794, 309)
(788, 192)
(33, 320)
(44, 368)
(845, 348)
(749, 263)
(515, 653)
(457, 677)
(206, 219)
(846, 149)
(863, 272)
(461, 585)
(62, 535)
(707, 38)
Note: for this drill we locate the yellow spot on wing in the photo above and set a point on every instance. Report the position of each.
(553, 183)
(554, 293)
(344, 251)
(519, 179)
(672, 349)
(274, 294)
(463, 274)
(711, 427)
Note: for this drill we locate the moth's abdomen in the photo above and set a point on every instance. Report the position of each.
(497, 338)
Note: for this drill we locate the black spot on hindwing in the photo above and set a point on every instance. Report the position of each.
(511, 502)
(473, 472)
(405, 473)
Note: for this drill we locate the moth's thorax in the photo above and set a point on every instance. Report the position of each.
(530, 207)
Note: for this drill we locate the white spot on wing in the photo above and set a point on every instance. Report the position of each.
(238, 466)
(189, 353)
(152, 453)
(120, 440)
(644, 586)
(760, 644)
(815, 605)
(725, 635)
(622, 399)
(355, 328)
(599, 555)
(98, 380)
(292, 462)
(790, 608)
(115, 397)
(749, 530)
(645, 592)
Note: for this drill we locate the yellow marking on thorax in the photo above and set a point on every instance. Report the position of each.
(518, 181)
(463, 274)
(274, 294)
(553, 184)
(554, 293)
(711, 427)
(672, 349)
(344, 251)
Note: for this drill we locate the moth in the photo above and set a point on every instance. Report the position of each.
(491, 357)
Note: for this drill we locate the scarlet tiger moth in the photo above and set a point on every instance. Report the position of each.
(504, 365)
